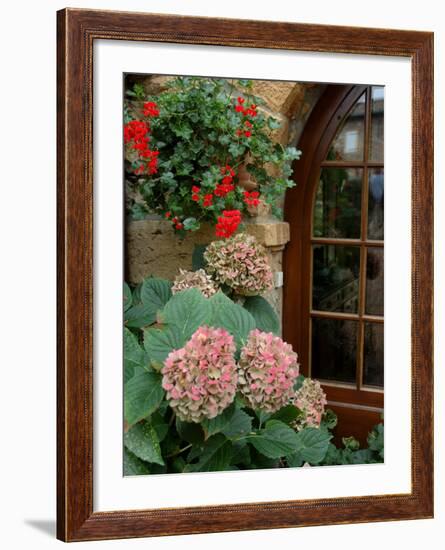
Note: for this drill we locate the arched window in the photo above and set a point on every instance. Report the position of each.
(333, 268)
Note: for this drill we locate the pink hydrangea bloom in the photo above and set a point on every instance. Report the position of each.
(194, 279)
(200, 378)
(311, 400)
(241, 263)
(267, 371)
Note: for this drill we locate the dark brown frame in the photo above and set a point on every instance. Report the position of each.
(77, 30)
(321, 127)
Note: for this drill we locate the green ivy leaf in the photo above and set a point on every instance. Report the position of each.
(191, 224)
(264, 314)
(233, 317)
(236, 150)
(273, 123)
(187, 310)
(329, 420)
(143, 394)
(275, 440)
(214, 456)
(376, 440)
(143, 442)
(134, 466)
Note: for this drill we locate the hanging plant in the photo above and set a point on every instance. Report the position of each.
(196, 145)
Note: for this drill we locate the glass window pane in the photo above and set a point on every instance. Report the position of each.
(373, 357)
(334, 349)
(337, 210)
(348, 143)
(375, 204)
(377, 117)
(335, 278)
(374, 281)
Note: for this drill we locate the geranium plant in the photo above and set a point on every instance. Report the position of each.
(188, 146)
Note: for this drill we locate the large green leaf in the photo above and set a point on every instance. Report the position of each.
(190, 431)
(187, 310)
(156, 292)
(134, 356)
(128, 299)
(140, 315)
(264, 314)
(275, 440)
(214, 456)
(142, 440)
(312, 444)
(160, 342)
(148, 299)
(134, 466)
(143, 395)
(219, 423)
(240, 424)
(234, 318)
(286, 414)
(241, 453)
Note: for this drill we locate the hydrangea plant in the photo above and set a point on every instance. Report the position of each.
(241, 263)
(268, 370)
(200, 378)
(310, 399)
(206, 389)
(195, 279)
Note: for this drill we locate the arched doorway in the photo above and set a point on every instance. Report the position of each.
(333, 265)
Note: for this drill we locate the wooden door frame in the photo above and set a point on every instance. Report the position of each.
(319, 131)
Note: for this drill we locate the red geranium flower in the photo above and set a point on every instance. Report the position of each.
(228, 223)
(251, 198)
(151, 109)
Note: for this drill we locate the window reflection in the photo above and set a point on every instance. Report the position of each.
(374, 281)
(348, 143)
(375, 204)
(335, 278)
(373, 356)
(337, 210)
(334, 349)
(377, 124)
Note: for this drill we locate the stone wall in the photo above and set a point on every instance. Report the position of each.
(152, 248)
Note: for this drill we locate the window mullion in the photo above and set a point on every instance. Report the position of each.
(363, 249)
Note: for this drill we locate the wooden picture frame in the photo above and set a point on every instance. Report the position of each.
(77, 31)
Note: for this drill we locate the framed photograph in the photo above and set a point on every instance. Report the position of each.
(245, 230)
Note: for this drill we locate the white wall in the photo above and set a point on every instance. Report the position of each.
(28, 292)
